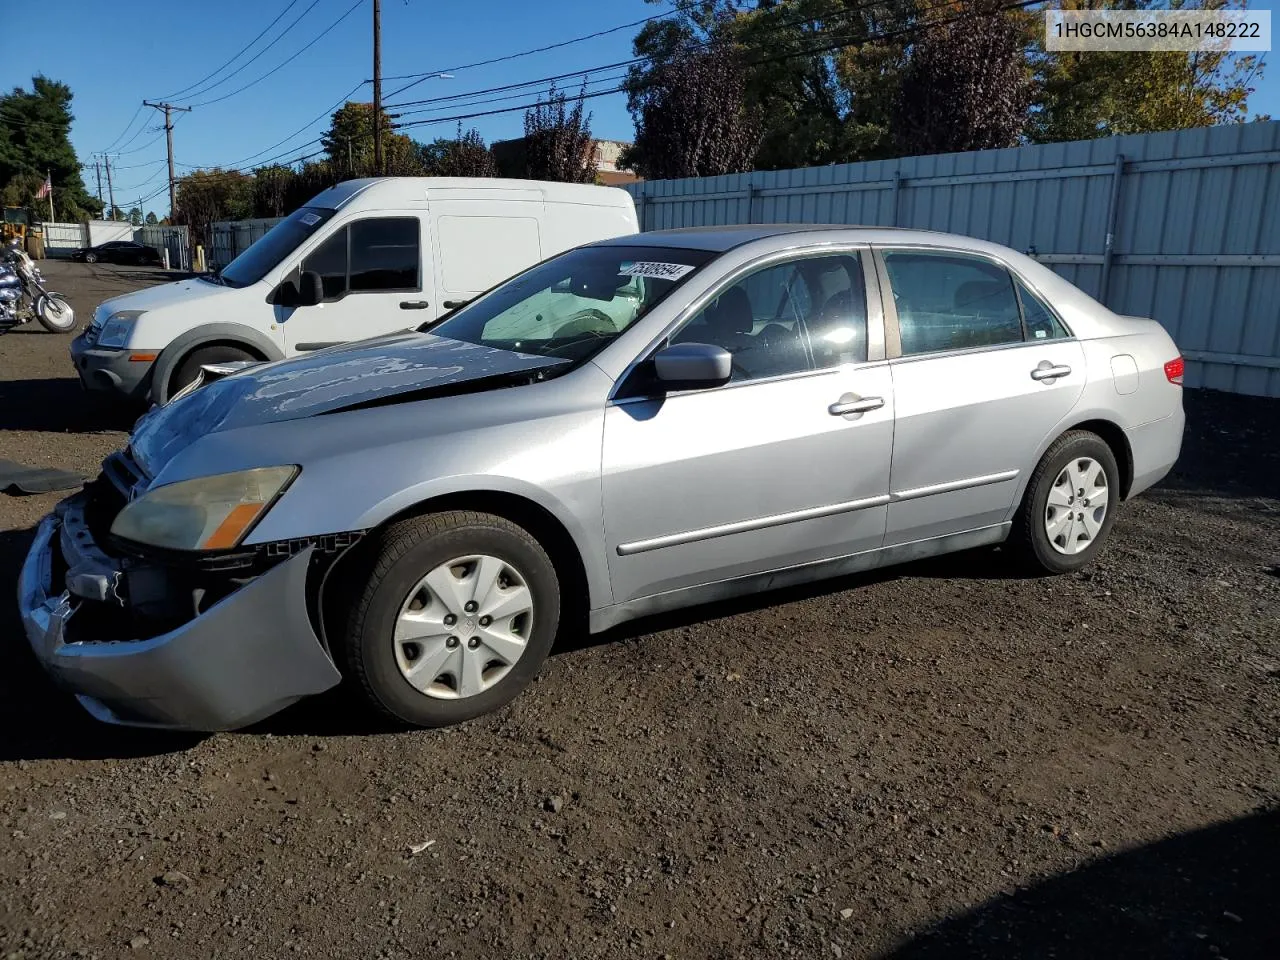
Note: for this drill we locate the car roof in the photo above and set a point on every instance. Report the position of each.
(720, 239)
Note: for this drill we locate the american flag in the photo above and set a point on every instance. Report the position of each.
(46, 188)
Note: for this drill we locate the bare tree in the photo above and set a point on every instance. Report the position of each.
(692, 119)
(557, 140)
(967, 84)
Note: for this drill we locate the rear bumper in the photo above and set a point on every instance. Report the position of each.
(246, 657)
(1155, 448)
(109, 371)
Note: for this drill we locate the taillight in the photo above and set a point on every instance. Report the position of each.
(1173, 370)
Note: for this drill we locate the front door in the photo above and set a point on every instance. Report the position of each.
(786, 464)
(374, 283)
(985, 372)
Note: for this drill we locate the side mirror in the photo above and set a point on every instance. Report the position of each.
(310, 288)
(692, 366)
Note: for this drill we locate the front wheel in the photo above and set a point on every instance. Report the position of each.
(55, 314)
(1070, 504)
(90, 258)
(456, 617)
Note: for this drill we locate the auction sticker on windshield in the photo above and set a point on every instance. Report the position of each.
(661, 271)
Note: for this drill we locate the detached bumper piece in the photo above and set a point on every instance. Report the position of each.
(243, 657)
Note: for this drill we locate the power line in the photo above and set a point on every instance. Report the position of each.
(523, 53)
(611, 78)
(239, 53)
(127, 127)
(283, 33)
(226, 96)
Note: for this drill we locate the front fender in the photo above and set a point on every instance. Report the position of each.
(180, 346)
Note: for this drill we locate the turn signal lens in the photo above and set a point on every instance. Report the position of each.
(1173, 370)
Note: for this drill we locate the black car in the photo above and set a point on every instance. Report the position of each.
(120, 251)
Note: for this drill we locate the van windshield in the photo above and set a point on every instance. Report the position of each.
(273, 246)
(572, 306)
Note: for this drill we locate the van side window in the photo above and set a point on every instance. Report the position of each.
(380, 253)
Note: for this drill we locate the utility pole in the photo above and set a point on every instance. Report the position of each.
(168, 108)
(351, 167)
(111, 192)
(97, 168)
(377, 87)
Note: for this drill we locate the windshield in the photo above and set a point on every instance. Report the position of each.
(273, 246)
(573, 305)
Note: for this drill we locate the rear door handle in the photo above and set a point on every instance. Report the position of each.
(455, 304)
(861, 405)
(1048, 371)
(414, 304)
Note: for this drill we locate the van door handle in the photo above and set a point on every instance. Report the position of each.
(1048, 371)
(414, 304)
(843, 407)
(455, 304)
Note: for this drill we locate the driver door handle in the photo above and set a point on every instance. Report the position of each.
(1049, 372)
(862, 405)
(414, 304)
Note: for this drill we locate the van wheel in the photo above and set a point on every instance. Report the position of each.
(190, 367)
(1070, 505)
(456, 618)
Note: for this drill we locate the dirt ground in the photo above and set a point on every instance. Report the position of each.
(941, 760)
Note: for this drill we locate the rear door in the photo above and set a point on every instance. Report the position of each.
(374, 282)
(982, 371)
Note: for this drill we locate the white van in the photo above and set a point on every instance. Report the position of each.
(364, 258)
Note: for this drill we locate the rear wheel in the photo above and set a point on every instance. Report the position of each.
(1069, 507)
(455, 619)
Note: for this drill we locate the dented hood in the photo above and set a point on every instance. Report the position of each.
(402, 367)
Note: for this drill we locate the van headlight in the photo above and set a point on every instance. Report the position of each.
(208, 513)
(118, 326)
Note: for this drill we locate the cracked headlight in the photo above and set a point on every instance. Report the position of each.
(208, 513)
(116, 329)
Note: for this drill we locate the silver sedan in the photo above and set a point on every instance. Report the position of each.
(638, 425)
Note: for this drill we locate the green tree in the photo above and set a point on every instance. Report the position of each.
(205, 196)
(150, 219)
(35, 141)
(466, 155)
(135, 216)
(557, 140)
(348, 144)
(1082, 95)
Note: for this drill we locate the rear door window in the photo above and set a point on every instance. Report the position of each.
(949, 301)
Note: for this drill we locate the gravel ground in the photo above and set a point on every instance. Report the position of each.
(941, 760)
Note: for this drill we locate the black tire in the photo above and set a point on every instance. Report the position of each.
(1029, 538)
(189, 367)
(91, 257)
(402, 555)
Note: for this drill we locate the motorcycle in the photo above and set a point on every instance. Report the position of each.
(19, 272)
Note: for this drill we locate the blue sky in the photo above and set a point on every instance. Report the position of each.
(114, 53)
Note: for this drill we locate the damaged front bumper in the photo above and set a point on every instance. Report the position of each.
(247, 656)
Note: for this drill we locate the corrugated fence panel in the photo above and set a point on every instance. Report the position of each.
(1194, 232)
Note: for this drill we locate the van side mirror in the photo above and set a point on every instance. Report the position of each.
(693, 366)
(310, 288)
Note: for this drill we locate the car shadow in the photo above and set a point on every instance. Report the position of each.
(1205, 893)
(39, 721)
(60, 405)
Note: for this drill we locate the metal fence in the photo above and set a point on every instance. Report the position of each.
(227, 239)
(1182, 226)
(63, 239)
